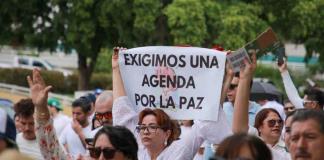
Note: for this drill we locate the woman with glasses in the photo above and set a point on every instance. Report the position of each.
(116, 143)
(155, 132)
(269, 125)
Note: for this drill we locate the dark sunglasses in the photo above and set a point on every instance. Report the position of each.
(232, 86)
(106, 115)
(108, 153)
(272, 123)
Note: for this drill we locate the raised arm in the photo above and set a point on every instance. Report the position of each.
(241, 105)
(290, 88)
(123, 112)
(45, 132)
(229, 74)
(118, 85)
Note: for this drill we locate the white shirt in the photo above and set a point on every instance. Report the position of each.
(291, 90)
(69, 137)
(29, 147)
(60, 122)
(183, 149)
(278, 151)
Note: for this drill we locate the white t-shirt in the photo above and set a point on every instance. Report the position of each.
(29, 147)
(60, 122)
(74, 144)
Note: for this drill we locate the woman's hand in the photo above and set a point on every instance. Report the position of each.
(283, 66)
(38, 89)
(248, 70)
(114, 59)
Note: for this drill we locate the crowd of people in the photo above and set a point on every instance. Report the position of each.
(105, 125)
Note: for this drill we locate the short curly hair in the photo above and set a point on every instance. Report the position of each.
(24, 108)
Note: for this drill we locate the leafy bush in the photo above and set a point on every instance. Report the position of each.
(61, 84)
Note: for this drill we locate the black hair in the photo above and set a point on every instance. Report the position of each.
(315, 95)
(230, 147)
(121, 138)
(24, 108)
(307, 114)
(82, 102)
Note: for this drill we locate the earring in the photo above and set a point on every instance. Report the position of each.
(165, 142)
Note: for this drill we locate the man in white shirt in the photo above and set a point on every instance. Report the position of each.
(103, 114)
(73, 136)
(60, 120)
(26, 140)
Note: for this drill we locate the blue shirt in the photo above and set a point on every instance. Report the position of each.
(253, 110)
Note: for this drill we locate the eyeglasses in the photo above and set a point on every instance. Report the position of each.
(106, 115)
(232, 86)
(272, 123)
(307, 101)
(108, 153)
(149, 128)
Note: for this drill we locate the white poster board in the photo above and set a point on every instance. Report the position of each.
(185, 82)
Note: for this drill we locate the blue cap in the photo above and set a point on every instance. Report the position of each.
(7, 128)
(98, 91)
(91, 97)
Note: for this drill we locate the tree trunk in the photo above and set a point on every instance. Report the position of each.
(84, 73)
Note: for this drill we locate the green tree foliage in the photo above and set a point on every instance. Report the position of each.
(89, 26)
(187, 22)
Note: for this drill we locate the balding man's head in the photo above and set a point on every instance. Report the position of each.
(104, 102)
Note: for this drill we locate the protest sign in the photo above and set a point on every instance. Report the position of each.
(185, 82)
(236, 59)
(264, 43)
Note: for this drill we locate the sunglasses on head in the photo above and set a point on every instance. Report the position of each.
(108, 153)
(272, 123)
(106, 115)
(307, 102)
(232, 86)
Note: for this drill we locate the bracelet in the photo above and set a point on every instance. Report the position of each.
(42, 115)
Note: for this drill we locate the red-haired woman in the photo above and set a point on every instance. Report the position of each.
(156, 133)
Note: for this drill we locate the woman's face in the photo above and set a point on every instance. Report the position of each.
(152, 135)
(103, 143)
(271, 127)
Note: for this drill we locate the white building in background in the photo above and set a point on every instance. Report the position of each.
(295, 54)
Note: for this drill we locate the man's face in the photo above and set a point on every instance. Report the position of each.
(309, 104)
(80, 116)
(102, 119)
(28, 127)
(231, 93)
(306, 141)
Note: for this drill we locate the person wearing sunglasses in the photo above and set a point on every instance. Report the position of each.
(154, 130)
(114, 142)
(269, 125)
(103, 107)
(231, 97)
